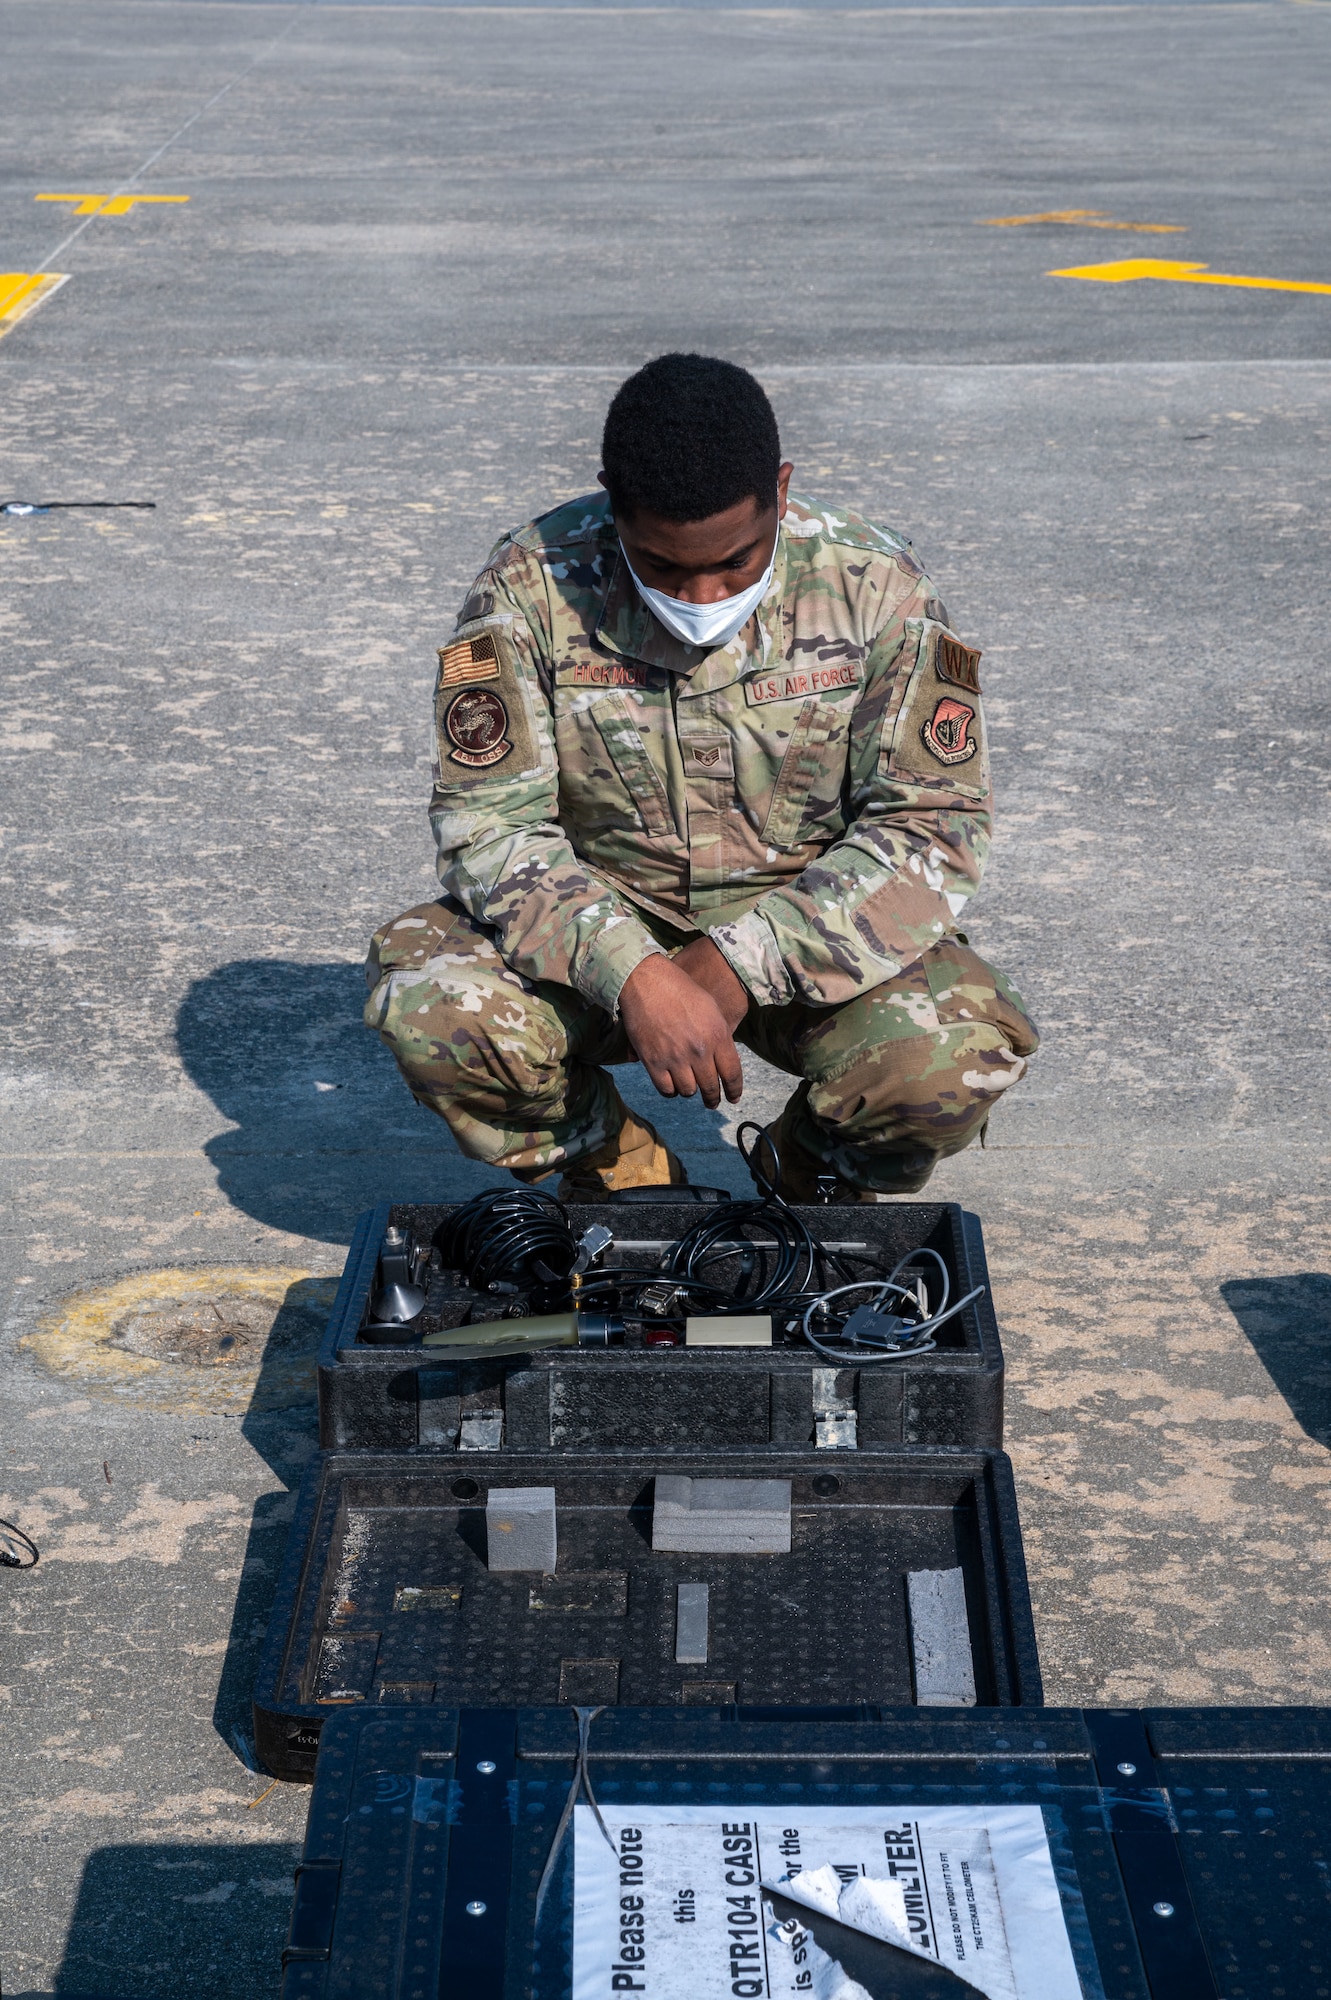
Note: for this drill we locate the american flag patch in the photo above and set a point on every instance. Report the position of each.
(468, 660)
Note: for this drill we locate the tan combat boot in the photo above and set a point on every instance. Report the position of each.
(635, 1157)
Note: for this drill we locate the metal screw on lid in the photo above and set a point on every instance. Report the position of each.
(1128, 1770)
(1163, 1909)
(478, 1909)
(485, 1767)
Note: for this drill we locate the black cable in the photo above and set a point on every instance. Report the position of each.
(710, 1241)
(14, 1545)
(792, 1260)
(581, 1787)
(512, 1239)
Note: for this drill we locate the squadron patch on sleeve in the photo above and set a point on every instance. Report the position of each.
(476, 724)
(957, 663)
(468, 660)
(946, 734)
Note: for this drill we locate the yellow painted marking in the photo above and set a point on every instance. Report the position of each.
(105, 204)
(1133, 268)
(79, 1341)
(21, 292)
(1088, 218)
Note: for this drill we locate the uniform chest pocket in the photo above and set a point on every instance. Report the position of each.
(804, 765)
(629, 755)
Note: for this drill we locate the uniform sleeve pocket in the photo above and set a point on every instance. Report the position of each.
(484, 726)
(629, 755)
(938, 734)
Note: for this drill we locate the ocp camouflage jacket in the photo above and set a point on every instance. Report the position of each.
(814, 795)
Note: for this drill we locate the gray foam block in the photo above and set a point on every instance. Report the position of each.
(940, 1639)
(520, 1528)
(724, 1517)
(691, 1624)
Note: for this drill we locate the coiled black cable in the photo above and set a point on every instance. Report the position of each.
(794, 1254)
(915, 1335)
(510, 1239)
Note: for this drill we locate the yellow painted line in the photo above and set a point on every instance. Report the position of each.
(21, 292)
(1132, 268)
(1088, 218)
(105, 204)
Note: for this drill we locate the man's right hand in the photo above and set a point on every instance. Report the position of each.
(679, 1033)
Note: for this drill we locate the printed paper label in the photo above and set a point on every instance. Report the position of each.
(683, 1908)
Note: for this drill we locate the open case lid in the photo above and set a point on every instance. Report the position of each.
(1187, 1850)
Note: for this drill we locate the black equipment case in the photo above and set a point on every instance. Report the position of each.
(1191, 1847)
(386, 1596)
(375, 1397)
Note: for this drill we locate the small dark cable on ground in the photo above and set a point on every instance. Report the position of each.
(17, 1550)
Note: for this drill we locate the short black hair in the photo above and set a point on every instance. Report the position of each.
(689, 436)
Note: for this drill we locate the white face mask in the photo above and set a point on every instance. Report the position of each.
(707, 625)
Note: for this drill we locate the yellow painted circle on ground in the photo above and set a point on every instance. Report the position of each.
(218, 1337)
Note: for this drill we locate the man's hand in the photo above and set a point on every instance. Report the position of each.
(711, 969)
(680, 1015)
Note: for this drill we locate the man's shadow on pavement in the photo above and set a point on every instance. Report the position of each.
(155, 1920)
(1288, 1321)
(325, 1125)
(326, 1128)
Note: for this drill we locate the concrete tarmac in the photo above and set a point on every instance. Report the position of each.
(421, 246)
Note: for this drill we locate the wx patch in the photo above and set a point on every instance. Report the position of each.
(957, 663)
(468, 660)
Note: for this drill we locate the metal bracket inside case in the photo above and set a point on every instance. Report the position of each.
(835, 1419)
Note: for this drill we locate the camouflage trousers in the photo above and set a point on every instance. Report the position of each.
(891, 1082)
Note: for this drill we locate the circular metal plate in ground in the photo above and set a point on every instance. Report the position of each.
(223, 1337)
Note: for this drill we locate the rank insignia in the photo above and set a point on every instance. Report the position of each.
(946, 734)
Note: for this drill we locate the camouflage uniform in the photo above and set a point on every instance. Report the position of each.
(814, 796)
